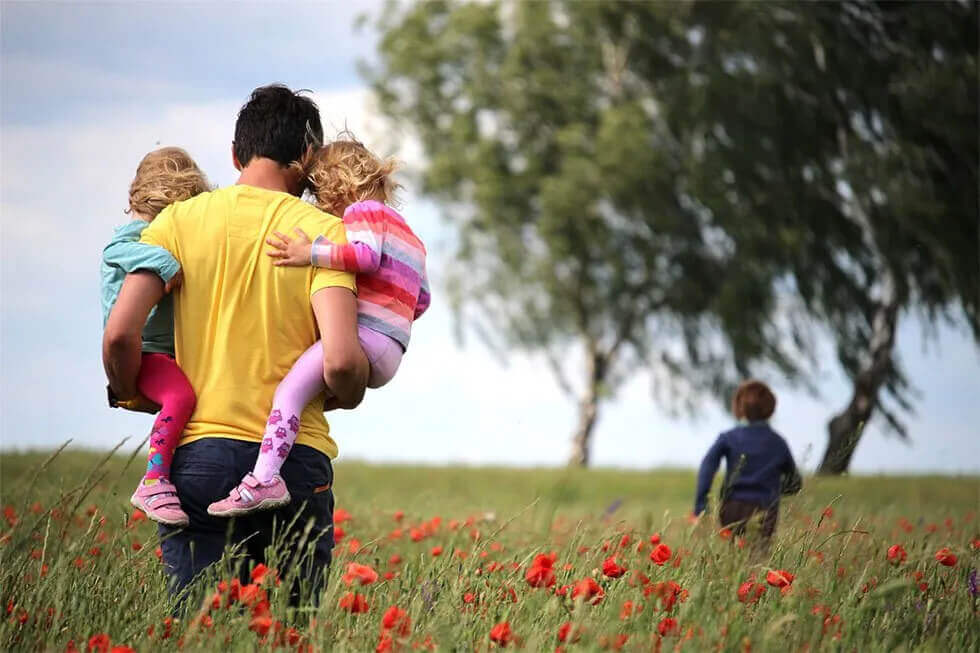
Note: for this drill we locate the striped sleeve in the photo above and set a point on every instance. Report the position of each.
(365, 235)
(425, 298)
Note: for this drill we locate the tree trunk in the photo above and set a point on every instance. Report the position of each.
(845, 429)
(588, 412)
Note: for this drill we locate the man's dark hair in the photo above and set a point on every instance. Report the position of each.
(276, 123)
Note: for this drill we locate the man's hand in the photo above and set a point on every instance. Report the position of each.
(175, 282)
(290, 252)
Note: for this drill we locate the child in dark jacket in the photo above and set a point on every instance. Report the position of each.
(758, 464)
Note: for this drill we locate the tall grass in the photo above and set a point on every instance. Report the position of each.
(76, 564)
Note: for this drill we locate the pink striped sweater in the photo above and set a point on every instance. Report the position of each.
(389, 260)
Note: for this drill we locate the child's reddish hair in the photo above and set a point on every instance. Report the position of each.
(754, 401)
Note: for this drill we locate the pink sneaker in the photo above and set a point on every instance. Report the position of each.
(251, 496)
(160, 503)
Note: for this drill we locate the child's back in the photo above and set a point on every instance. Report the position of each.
(756, 458)
(392, 292)
(758, 463)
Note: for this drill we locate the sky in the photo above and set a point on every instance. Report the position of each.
(87, 89)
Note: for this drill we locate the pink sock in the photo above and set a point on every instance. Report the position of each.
(161, 380)
(304, 381)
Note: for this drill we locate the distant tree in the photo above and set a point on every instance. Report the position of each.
(840, 143)
(682, 187)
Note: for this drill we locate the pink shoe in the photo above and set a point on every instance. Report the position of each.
(251, 496)
(160, 503)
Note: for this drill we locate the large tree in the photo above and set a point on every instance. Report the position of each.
(673, 186)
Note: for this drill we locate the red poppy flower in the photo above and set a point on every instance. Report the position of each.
(501, 634)
(627, 610)
(667, 627)
(251, 594)
(436, 551)
(260, 572)
(260, 625)
(136, 517)
(945, 557)
(122, 649)
(363, 574)
(655, 539)
(395, 619)
(338, 534)
(385, 643)
(749, 592)
(896, 554)
(569, 633)
(725, 533)
(353, 603)
(669, 593)
(541, 573)
(340, 516)
(588, 589)
(399, 515)
(611, 569)
(780, 578)
(98, 643)
(660, 554)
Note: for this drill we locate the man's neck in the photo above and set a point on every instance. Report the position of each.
(267, 174)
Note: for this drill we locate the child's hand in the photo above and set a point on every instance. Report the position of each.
(290, 252)
(175, 282)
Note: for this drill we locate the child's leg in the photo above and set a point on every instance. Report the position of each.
(384, 354)
(161, 380)
(303, 382)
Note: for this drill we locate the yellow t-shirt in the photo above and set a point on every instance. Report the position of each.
(240, 322)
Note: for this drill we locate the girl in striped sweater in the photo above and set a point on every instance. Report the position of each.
(393, 292)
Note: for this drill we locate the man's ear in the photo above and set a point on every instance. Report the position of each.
(234, 158)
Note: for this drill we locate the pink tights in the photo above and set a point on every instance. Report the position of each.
(304, 382)
(162, 381)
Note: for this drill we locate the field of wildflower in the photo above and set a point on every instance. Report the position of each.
(479, 558)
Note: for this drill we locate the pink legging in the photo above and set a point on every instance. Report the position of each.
(162, 381)
(304, 382)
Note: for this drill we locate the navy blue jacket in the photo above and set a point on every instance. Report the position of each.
(756, 459)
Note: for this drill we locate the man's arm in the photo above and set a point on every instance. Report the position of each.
(345, 368)
(122, 342)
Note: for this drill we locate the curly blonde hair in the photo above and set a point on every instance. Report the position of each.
(163, 177)
(343, 172)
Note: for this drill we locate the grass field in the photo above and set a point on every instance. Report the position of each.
(78, 571)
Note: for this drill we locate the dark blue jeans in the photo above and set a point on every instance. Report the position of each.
(206, 470)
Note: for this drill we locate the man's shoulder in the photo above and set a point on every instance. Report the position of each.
(311, 219)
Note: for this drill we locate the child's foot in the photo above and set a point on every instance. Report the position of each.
(160, 503)
(250, 496)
